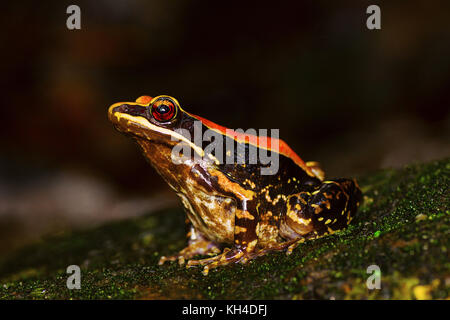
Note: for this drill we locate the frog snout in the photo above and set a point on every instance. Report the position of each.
(123, 108)
(133, 110)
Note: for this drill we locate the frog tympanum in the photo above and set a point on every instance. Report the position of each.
(235, 213)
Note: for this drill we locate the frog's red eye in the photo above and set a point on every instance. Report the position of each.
(163, 110)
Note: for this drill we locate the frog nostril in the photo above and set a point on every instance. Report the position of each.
(123, 108)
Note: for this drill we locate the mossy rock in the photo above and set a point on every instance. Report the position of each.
(402, 227)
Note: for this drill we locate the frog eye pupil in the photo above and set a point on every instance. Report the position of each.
(163, 111)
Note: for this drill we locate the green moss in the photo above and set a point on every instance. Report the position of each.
(402, 227)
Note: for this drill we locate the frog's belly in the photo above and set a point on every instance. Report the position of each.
(212, 215)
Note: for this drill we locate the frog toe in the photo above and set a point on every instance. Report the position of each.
(226, 257)
(193, 249)
(164, 259)
(177, 257)
(206, 261)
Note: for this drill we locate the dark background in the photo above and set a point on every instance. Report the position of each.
(354, 99)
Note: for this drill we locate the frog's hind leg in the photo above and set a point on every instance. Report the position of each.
(328, 208)
(197, 245)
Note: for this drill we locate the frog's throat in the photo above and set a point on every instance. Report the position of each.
(141, 121)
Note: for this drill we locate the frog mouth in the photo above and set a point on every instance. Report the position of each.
(128, 118)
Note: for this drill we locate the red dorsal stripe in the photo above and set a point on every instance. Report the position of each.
(261, 142)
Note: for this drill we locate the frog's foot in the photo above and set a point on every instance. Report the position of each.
(239, 255)
(287, 246)
(291, 245)
(228, 256)
(199, 247)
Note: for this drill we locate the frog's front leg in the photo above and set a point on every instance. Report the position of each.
(197, 245)
(245, 240)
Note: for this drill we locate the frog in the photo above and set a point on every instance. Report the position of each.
(234, 213)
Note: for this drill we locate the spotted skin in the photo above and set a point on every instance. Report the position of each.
(329, 208)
